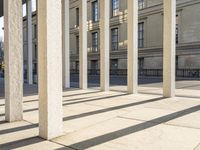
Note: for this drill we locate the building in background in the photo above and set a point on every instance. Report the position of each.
(1, 57)
(150, 36)
(34, 49)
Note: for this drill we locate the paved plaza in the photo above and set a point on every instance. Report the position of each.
(112, 120)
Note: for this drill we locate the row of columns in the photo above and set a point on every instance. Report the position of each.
(53, 42)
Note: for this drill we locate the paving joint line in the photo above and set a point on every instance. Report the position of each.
(169, 124)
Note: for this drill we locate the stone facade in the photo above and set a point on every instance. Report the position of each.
(150, 53)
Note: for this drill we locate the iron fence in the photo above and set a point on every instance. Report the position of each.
(185, 73)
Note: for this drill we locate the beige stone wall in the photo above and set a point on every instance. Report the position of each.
(154, 30)
(153, 63)
(190, 24)
(189, 61)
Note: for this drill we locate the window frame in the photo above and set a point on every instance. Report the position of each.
(116, 35)
(95, 11)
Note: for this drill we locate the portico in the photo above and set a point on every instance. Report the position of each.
(53, 45)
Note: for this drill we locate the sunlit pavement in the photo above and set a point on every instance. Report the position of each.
(113, 120)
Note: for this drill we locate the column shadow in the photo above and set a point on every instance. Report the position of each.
(132, 129)
(21, 143)
(111, 109)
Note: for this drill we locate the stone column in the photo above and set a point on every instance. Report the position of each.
(13, 59)
(29, 40)
(66, 44)
(169, 48)
(132, 46)
(50, 68)
(83, 45)
(104, 44)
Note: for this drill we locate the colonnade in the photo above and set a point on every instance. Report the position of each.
(53, 45)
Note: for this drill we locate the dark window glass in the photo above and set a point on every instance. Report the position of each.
(77, 16)
(114, 39)
(141, 4)
(95, 11)
(35, 31)
(94, 64)
(141, 35)
(141, 63)
(77, 44)
(115, 7)
(177, 28)
(114, 64)
(95, 42)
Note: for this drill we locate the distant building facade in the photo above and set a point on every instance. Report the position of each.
(1, 56)
(150, 35)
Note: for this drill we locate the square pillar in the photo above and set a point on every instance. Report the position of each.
(104, 45)
(29, 40)
(66, 44)
(13, 59)
(50, 68)
(169, 54)
(83, 76)
(132, 46)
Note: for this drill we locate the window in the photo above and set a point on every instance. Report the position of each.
(115, 7)
(77, 16)
(94, 64)
(114, 39)
(177, 28)
(140, 4)
(77, 44)
(35, 68)
(114, 64)
(95, 14)
(177, 67)
(95, 42)
(140, 63)
(141, 35)
(35, 31)
(77, 65)
(35, 51)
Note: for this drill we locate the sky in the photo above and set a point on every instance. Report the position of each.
(24, 13)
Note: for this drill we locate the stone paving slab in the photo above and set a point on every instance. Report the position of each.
(111, 120)
(123, 134)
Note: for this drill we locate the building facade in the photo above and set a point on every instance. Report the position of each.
(1, 57)
(150, 35)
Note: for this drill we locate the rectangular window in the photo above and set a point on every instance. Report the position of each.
(140, 4)
(95, 11)
(35, 31)
(77, 65)
(114, 64)
(94, 64)
(141, 35)
(95, 42)
(140, 63)
(77, 44)
(35, 49)
(115, 7)
(77, 16)
(114, 39)
(177, 28)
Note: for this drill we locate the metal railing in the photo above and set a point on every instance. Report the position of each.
(185, 73)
